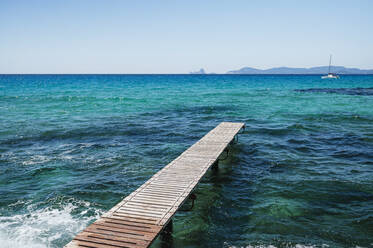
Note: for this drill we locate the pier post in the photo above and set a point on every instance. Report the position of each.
(215, 165)
(167, 231)
(166, 235)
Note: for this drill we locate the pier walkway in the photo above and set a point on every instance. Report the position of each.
(140, 217)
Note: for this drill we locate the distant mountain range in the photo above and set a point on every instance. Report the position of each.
(312, 70)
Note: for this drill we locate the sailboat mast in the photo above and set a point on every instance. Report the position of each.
(330, 75)
(330, 61)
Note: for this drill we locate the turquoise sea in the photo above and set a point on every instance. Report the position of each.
(72, 146)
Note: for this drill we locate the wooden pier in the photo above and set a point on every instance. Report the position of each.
(140, 217)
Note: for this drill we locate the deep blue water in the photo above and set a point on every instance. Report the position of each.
(72, 146)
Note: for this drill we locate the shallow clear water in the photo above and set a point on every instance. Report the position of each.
(72, 146)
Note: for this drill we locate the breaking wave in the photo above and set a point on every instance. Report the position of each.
(45, 227)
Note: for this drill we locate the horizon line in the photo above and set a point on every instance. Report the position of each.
(190, 74)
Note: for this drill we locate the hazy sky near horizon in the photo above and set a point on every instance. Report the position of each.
(90, 36)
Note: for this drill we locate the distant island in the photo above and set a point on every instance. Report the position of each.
(201, 71)
(312, 70)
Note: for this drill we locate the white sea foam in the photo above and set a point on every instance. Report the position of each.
(36, 159)
(48, 227)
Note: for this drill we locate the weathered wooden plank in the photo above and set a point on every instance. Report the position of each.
(111, 240)
(138, 232)
(159, 197)
(149, 199)
(142, 209)
(113, 231)
(145, 206)
(150, 202)
(128, 224)
(139, 213)
(80, 243)
(158, 193)
(140, 217)
(132, 219)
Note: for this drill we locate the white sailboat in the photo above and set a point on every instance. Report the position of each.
(330, 75)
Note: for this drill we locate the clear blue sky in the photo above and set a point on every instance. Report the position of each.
(73, 36)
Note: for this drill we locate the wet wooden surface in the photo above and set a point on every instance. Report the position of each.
(138, 219)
